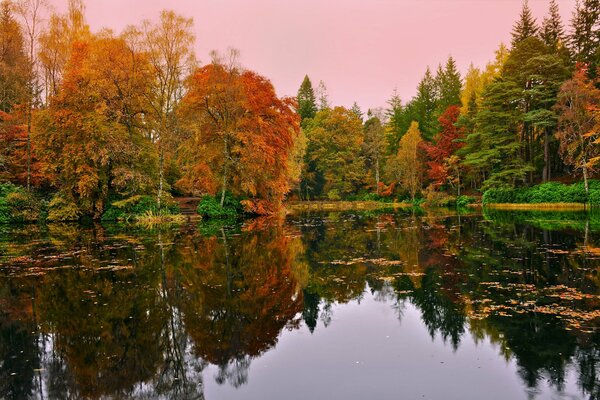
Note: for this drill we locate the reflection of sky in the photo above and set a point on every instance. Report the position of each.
(361, 49)
(368, 353)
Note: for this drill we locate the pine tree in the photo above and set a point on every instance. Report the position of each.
(585, 33)
(553, 32)
(449, 86)
(307, 103)
(425, 104)
(525, 27)
(357, 111)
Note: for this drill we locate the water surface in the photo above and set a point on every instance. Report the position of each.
(338, 306)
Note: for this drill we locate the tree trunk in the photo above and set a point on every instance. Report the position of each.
(161, 160)
(585, 177)
(225, 163)
(377, 174)
(546, 172)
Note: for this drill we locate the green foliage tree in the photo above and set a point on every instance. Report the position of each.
(335, 166)
(307, 102)
(373, 148)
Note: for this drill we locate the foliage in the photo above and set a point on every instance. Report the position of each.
(62, 208)
(211, 208)
(551, 192)
(464, 201)
(407, 167)
(307, 103)
(333, 157)
(138, 206)
(246, 135)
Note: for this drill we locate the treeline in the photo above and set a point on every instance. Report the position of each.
(115, 125)
(529, 116)
(95, 124)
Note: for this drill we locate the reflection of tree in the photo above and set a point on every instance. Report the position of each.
(238, 295)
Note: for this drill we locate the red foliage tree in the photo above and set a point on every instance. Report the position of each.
(444, 145)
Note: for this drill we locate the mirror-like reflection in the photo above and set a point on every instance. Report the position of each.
(196, 312)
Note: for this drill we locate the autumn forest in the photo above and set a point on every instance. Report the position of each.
(115, 124)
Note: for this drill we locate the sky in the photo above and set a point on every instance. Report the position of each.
(362, 49)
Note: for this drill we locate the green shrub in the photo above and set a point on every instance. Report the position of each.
(334, 195)
(19, 205)
(210, 207)
(551, 192)
(138, 206)
(63, 209)
(464, 201)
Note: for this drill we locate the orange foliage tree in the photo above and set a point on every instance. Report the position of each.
(240, 137)
(88, 136)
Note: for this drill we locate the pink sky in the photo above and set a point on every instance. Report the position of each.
(361, 49)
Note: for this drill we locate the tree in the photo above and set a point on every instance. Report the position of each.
(407, 166)
(322, 96)
(577, 100)
(424, 105)
(585, 33)
(81, 137)
(445, 144)
(525, 27)
(398, 122)
(56, 41)
(31, 13)
(335, 138)
(307, 103)
(357, 111)
(449, 86)
(553, 32)
(13, 61)
(242, 135)
(169, 45)
(374, 145)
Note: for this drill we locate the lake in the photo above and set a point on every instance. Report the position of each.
(382, 305)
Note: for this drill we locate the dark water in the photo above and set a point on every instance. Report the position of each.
(322, 306)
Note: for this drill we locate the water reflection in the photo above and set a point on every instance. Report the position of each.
(109, 311)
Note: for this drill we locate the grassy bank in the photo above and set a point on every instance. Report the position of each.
(538, 206)
(298, 206)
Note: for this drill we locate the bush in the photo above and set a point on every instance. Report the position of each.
(63, 209)
(19, 205)
(551, 192)
(334, 195)
(138, 206)
(210, 207)
(464, 201)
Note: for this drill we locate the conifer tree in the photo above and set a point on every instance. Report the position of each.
(449, 86)
(525, 27)
(585, 33)
(307, 103)
(425, 104)
(553, 31)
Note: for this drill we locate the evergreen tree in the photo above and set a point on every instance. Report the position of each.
(397, 123)
(553, 32)
(357, 111)
(585, 33)
(525, 27)
(449, 86)
(307, 103)
(425, 105)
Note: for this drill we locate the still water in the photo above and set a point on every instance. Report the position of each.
(402, 305)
